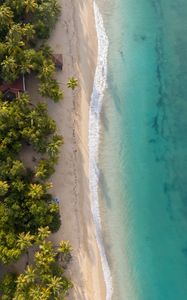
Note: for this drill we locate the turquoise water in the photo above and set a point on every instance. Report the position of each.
(143, 148)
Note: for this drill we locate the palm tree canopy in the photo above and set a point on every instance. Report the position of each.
(72, 83)
(30, 5)
(6, 15)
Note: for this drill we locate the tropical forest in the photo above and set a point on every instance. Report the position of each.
(28, 212)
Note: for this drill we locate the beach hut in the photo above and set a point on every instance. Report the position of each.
(12, 90)
(58, 61)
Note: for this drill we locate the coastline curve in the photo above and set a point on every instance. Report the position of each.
(99, 86)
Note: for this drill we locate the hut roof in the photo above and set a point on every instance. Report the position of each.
(17, 85)
(14, 87)
(58, 60)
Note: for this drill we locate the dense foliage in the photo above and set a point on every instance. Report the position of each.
(44, 279)
(22, 24)
(25, 202)
(28, 213)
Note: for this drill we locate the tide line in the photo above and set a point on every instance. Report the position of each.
(94, 122)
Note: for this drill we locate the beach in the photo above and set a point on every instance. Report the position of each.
(75, 37)
(142, 148)
(120, 181)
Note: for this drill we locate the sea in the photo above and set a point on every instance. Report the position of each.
(138, 148)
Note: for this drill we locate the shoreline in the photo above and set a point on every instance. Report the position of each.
(76, 27)
(100, 84)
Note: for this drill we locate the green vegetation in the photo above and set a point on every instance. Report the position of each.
(22, 24)
(44, 279)
(28, 213)
(25, 203)
(72, 83)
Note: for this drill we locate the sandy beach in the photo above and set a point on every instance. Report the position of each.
(75, 37)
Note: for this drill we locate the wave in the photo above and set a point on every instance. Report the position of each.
(94, 122)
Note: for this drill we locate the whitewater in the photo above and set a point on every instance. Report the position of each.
(99, 86)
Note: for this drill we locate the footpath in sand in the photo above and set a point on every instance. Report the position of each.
(75, 37)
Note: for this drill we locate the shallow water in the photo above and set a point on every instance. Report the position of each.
(143, 148)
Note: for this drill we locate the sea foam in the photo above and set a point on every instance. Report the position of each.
(94, 122)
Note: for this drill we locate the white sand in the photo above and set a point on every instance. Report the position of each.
(75, 37)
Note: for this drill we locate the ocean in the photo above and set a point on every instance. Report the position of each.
(138, 148)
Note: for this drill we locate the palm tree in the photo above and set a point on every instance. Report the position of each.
(53, 208)
(6, 16)
(36, 191)
(23, 102)
(45, 257)
(21, 281)
(44, 169)
(26, 61)
(24, 240)
(18, 185)
(17, 38)
(65, 248)
(39, 292)
(43, 280)
(9, 69)
(55, 284)
(49, 88)
(28, 32)
(3, 187)
(17, 169)
(8, 285)
(64, 252)
(53, 147)
(47, 70)
(72, 83)
(13, 48)
(30, 5)
(43, 233)
(46, 51)
(25, 67)
(53, 7)
(30, 274)
(15, 35)
(16, 5)
(35, 292)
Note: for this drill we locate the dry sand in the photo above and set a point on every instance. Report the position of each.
(75, 37)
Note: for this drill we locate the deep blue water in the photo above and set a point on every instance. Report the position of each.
(143, 149)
